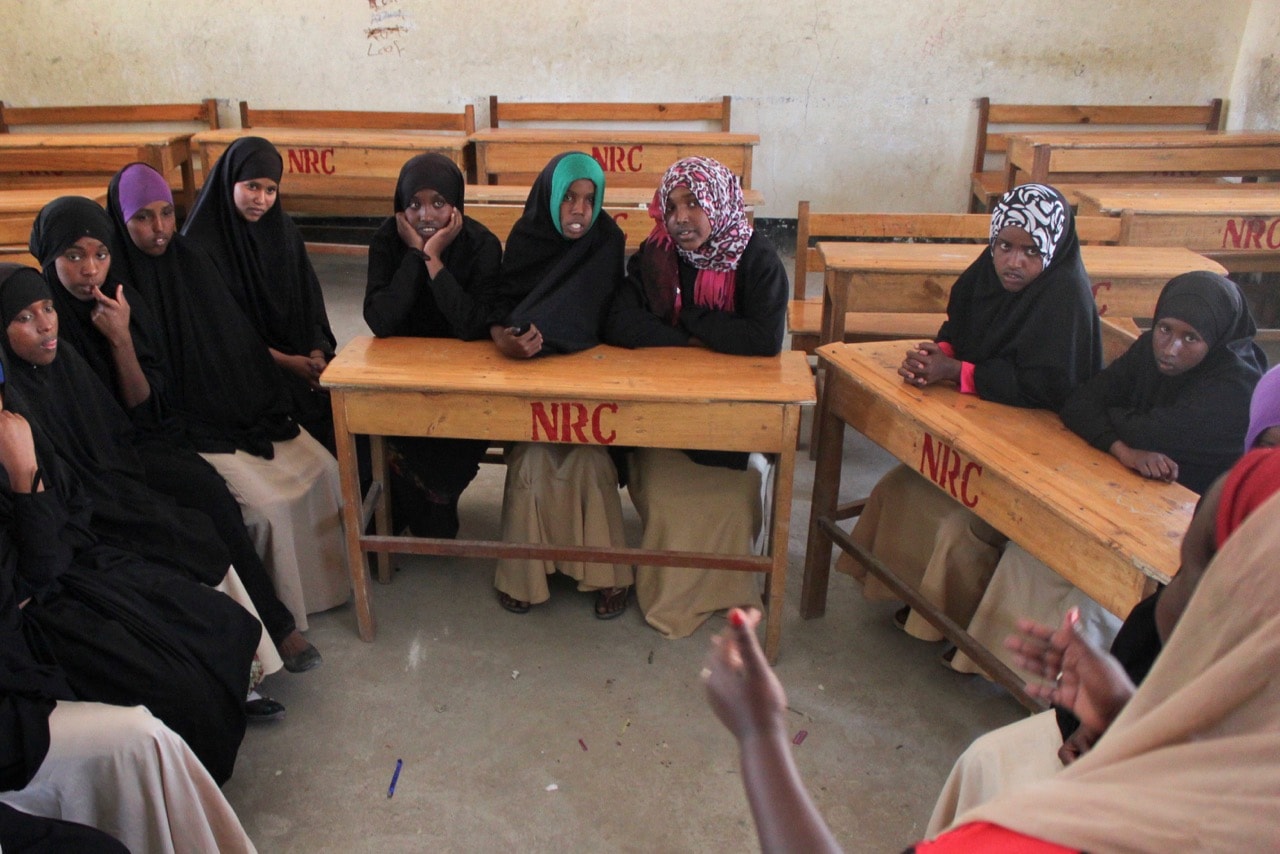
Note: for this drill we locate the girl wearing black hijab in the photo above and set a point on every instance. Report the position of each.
(433, 273)
(71, 237)
(123, 627)
(1175, 406)
(225, 392)
(258, 249)
(562, 264)
(1022, 330)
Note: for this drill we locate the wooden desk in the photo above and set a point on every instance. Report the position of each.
(1100, 157)
(1100, 526)
(662, 398)
(340, 172)
(1236, 224)
(498, 206)
(630, 158)
(62, 160)
(18, 208)
(917, 277)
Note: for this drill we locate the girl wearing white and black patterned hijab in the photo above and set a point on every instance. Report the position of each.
(1021, 319)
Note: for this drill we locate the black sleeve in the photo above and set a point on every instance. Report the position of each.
(38, 522)
(393, 285)
(631, 322)
(757, 326)
(1087, 412)
(468, 306)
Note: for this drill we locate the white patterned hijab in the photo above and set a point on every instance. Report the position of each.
(1037, 209)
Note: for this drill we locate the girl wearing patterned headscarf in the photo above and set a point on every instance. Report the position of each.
(703, 277)
(562, 264)
(1021, 329)
(433, 273)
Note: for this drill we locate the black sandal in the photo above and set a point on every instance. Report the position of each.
(607, 606)
(512, 604)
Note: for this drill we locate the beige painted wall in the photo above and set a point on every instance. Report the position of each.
(859, 104)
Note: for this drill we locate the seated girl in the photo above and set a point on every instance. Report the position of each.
(1022, 330)
(1174, 407)
(433, 273)
(562, 264)
(224, 391)
(703, 278)
(122, 628)
(110, 326)
(262, 258)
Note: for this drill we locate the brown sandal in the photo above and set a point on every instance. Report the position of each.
(612, 602)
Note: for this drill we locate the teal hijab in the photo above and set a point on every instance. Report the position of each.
(572, 167)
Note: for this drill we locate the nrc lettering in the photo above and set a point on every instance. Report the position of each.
(311, 161)
(1251, 233)
(571, 421)
(615, 158)
(945, 466)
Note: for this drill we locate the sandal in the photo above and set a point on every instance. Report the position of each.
(512, 604)
(901, 616)
(611, 602)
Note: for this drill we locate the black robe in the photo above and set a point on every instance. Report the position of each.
(92, 434)
(562, 286)
(122, 630)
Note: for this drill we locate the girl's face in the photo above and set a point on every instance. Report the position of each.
(687, 222)
(83, 266)
(1177, 345)
(253, 198)
(576, 207)
(1017, 259)
(152, 227)
(33, 333)
(428, 212)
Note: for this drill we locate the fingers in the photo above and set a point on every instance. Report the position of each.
(742, 625)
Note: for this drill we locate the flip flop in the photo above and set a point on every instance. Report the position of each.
(607, 599)
(512, 604)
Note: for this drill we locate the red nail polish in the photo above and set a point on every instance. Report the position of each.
(736, 618)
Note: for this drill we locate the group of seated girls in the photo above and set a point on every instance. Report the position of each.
(1022, 330)
(703, 278)
(169, 515)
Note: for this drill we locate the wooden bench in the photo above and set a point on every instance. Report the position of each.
(715, 112)
(1075, 161)
(997, 122)
(464, 121)
(126, 117)
(804, 314)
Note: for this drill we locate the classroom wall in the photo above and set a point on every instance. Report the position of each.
(859, 104)
(1255, 89)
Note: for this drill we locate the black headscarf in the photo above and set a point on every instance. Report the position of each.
(563, 286)
(1032, 347)
(224, 387)
(265, 263)
(430, 171)
(59, 225)
(1197, 418)
(94, 438)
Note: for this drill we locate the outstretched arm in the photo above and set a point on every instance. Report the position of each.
(748, 699)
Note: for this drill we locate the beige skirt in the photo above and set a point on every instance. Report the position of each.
(1005, 759)
(1024, 587)
(565, 495)
(932, 542)
(119, 769)
(267, 658)
(292, 507)
(694, 508)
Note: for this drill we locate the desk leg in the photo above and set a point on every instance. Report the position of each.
(382, 509)
(835, 305)
(352, 501)
(188, 184)
(780, 535)
(826, 492)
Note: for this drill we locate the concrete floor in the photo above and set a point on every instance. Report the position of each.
(559, 732)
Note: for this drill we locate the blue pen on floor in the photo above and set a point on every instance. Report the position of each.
(395, 775)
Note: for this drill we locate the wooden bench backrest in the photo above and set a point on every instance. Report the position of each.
(715, 112)
(1011, 119)
(464, 121)
(204, 112)
(972, 228)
